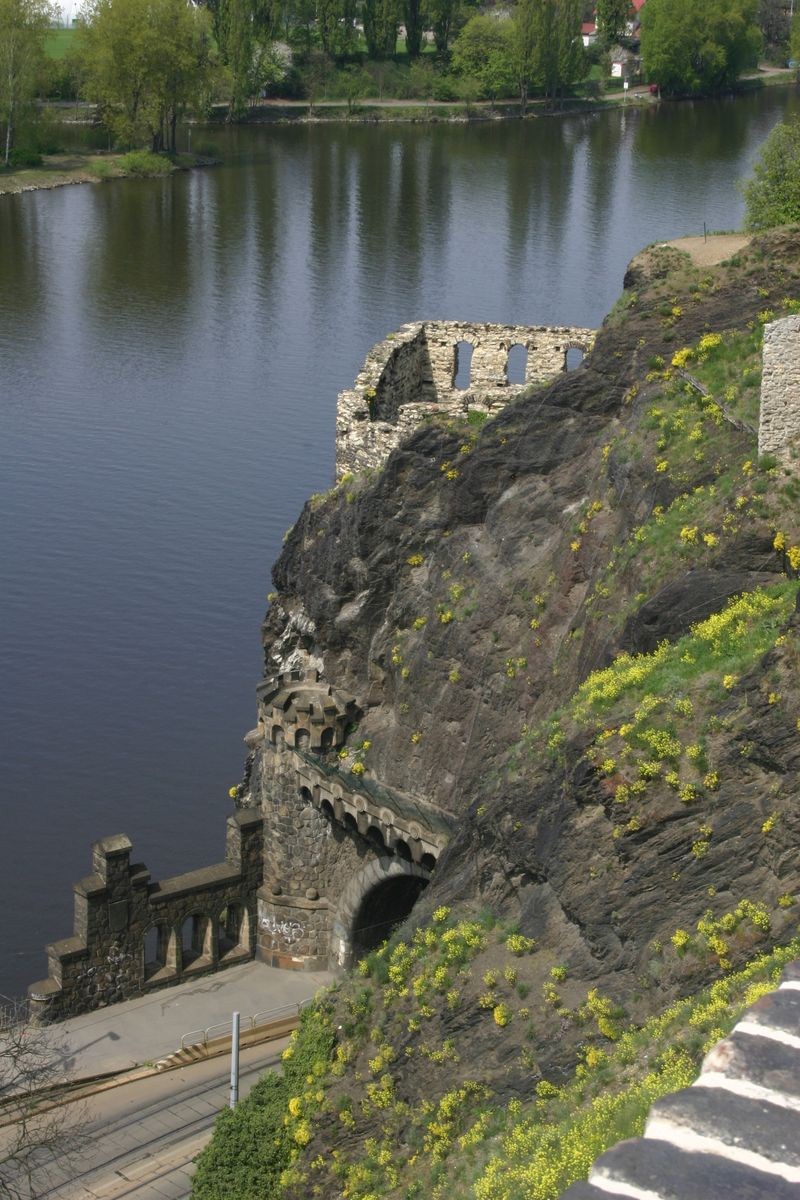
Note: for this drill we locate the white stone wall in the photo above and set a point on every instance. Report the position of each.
(779, 421)
(411, 374)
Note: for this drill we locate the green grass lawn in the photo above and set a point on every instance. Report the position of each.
(58, 42)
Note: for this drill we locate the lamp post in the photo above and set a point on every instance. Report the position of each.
(235, 1061)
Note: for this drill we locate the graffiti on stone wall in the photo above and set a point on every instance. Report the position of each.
(290, 932)
(112, 968)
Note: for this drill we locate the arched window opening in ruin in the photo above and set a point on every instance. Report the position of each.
(573, 358)
(462, 365)
(195, 940)
(326, 739)
(402, 850)
(233, 930)
(375, 838)
(305, 795)
(156, 941)
(517, 365)
(326, 808)
(382, 909)
(428, 862)
(301, 739)
(350, 823)
(277, 736)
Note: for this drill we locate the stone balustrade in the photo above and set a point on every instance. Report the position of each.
(132, 934)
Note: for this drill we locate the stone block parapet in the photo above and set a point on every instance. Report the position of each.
(779, 419)
(735, 1132)
(297, 709)
(131, 934)
(412, 375)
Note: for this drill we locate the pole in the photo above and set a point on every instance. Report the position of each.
(235, 1061)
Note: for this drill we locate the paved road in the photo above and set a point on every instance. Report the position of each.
(151, 1026)
(143, 1136)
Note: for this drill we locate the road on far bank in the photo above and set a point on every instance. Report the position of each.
(140, 1140)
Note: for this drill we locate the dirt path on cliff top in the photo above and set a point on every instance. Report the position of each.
(706, 252)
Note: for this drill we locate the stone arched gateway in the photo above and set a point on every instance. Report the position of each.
(376, 900)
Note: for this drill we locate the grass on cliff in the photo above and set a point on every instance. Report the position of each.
(658, 720)
(552, 1143)
(526, 1149)
(692, 424)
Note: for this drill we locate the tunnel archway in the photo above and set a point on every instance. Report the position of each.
(374, 903)
(384, 908)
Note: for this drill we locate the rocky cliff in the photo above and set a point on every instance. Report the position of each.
(572, 629)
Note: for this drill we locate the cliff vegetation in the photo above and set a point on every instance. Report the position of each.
(575, 630)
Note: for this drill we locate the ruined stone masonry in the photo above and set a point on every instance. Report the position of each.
(779, 421)
(318, 860)
(412, 374)
(734, 1133)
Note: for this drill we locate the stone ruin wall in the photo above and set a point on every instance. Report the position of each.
(779, 419)
(117, 904)
(411, 375)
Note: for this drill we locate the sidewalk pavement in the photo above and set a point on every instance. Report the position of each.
(150, 1027)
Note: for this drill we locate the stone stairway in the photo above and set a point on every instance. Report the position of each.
(735, 1133)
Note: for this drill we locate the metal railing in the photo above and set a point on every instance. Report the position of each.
(201, 1037)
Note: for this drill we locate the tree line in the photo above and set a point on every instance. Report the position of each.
(143, 63)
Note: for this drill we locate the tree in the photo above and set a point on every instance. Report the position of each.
(144, 61)
(336, 24)
(381, 18)
(525, 50)
(482, 51)
(772, 195)
(23, 28)
(612, 20)
(691, 48)
(773, 21)
(442, 15)
(354, 84)
(413, 16)
(35, 1135)
(317, 77)
(422, 80)
(549, 52)
(244, 30)
(794, 42)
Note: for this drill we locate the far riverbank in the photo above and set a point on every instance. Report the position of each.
(60, 170)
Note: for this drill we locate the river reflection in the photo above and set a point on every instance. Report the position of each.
(170, 354)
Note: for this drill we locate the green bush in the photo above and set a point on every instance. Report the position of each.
(24, 156)
(252, 1145)
(101, 168)
(144, 165)
(444, 89)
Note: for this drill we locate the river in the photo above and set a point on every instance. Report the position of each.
(170, 355)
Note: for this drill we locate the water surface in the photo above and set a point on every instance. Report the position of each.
(170, 354)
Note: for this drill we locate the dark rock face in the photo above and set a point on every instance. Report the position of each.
(686, 601)
(455, 596)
